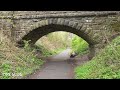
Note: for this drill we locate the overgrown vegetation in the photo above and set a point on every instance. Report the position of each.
(105, 65)
(16, 62)
(116, 26)
(79, 45)
(44, 51)
(54, 43)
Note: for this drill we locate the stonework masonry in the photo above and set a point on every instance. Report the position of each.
(92, 26)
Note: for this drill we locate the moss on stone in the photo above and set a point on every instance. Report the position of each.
(116, 26)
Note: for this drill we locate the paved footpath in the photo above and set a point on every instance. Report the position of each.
(55, 70)
(56, 67)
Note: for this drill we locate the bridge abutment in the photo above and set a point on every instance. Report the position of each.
(92, 26)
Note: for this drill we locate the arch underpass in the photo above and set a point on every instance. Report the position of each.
(92, 26)
(45, 27)
(89, 25)
(95, 27)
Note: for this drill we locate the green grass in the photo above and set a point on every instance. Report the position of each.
(105, 65)
(15, 62)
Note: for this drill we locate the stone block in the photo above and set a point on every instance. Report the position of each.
(66, 22)
(74, 24)
(54, 21)
(50, 21)
(79, 26)
(60, 21)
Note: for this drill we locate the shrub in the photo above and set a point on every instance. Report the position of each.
(14, 60)
(105, 65)
(79, 45)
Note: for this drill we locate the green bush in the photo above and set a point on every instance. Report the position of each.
(79, 45)
(105, 65)
(6, 70)
(27, 45)
(15, 61)
(44, 51)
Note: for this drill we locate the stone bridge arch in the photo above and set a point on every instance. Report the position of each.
(96, 27)
(46, 26)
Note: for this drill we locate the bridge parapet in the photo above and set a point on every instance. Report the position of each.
(93, 26)
(24, 20)
(53, 14)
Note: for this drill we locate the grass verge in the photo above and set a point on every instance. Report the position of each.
(105, 65)
(16, 63)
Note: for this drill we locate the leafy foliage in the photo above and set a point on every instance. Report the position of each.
(106, 65)
(54, 43)
(44, 51)
(79, 45)
(16, 62)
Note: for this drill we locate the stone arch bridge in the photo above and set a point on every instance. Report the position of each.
(96, 27)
